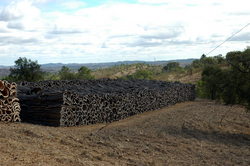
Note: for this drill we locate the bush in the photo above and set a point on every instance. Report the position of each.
(144, 74)
(172, 67)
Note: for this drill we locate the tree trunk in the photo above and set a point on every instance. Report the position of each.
(213, 95)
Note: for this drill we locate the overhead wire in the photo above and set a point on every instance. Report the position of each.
(228, 38)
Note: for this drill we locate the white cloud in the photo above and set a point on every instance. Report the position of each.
(19, 10)
(166, 29)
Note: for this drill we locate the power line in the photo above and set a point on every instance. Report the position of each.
(228, 39)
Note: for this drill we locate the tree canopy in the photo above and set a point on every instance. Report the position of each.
(211, 76)
(66, 74)
(232, 84)
(84, 73)
(172, 66)
(144, 74)
(26, 70)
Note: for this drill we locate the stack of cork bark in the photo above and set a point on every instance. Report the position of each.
(9, 106)
(79, 103)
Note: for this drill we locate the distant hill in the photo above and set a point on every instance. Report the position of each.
(4, 72)
(75, 66)
(55, 67)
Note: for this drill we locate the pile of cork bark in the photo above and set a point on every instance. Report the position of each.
(84, 102)
(9, 106)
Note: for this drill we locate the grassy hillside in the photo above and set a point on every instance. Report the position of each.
(126, 70)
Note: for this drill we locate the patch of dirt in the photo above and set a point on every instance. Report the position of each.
(201, 132)
(124, 73)
(171, 77)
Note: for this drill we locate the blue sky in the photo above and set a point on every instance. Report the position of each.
(85, 31)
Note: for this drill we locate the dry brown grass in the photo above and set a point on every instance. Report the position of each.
(114, 73)
(192, 133)
(191, 78)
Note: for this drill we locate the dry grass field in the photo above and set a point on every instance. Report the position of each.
(201, 132)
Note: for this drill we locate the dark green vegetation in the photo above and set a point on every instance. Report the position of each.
(172, 67)
(25, 69)
(232, 84)
(83, 73)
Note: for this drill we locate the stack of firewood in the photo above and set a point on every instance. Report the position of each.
(9, 106)
(78, 103)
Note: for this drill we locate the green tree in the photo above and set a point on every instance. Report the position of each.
(229, 91)
(196, 64)
(26, 70)
(220, 59)
(211, 76)
(203, 56)
(232, 85)
(172, 66)
(84, 73)
(66, 74)
(144, 74)
(238, 77)
(209, 61)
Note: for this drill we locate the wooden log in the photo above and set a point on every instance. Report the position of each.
(131, 97)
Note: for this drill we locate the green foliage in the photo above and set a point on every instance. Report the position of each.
(232, 85)
(144, 74)
(239, 75)
(50, 76)
(66, 74)
(26, 70)
(220, 59)
(84, 73)
(229, 92)
(7, 78)
(200, 92)
(172, 67)
(211, 76)
(203, 56)
(209, 61)
(203, 61)
(196, 64)
(141, 74)
(53, 77)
